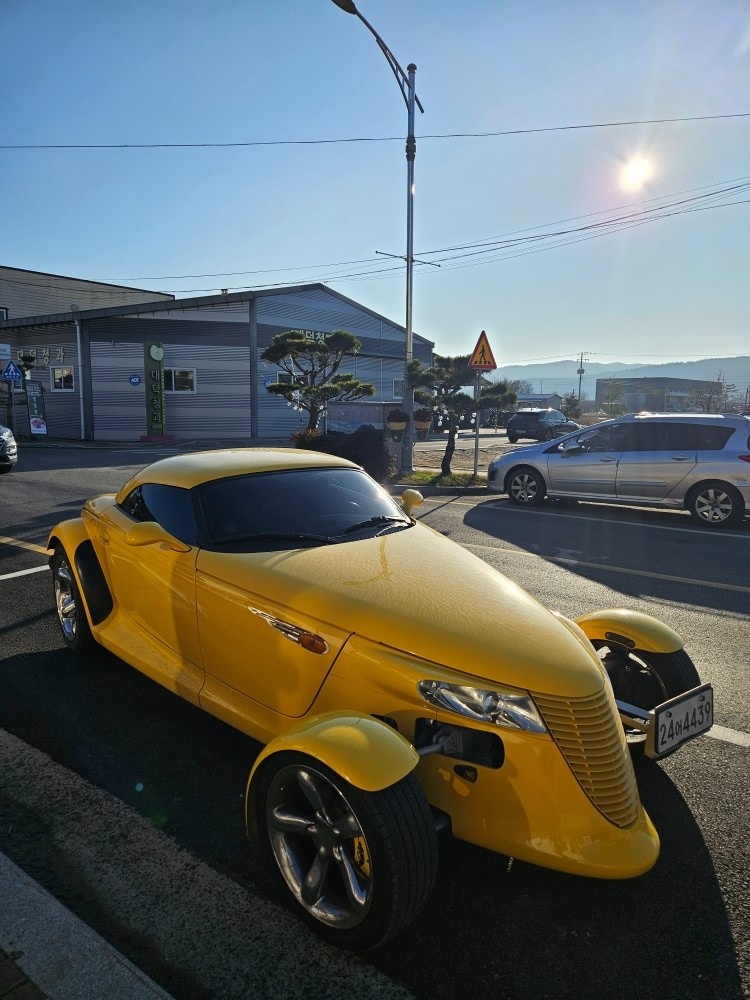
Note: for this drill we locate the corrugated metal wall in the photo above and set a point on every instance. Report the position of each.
(220, 406)
(33, 293)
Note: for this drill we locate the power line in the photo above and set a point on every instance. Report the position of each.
(499, 249)
(492, 243)
(388, 138)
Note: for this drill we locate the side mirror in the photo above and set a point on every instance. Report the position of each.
(151, 533)
(568, 447)
(411, 499)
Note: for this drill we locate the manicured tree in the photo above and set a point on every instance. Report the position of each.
(444, 388)
(313, 365)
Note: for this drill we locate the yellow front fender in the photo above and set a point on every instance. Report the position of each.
(69, 534)
(631, 629)
(365, 752)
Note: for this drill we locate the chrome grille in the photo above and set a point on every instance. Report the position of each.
(592, 741)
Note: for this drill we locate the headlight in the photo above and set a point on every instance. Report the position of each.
(514, 710)
(6, 434)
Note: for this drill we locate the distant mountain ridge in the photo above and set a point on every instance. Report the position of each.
(562, 376)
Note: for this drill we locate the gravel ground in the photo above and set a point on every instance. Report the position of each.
(462, 460)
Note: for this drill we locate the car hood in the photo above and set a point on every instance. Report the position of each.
(419, 592)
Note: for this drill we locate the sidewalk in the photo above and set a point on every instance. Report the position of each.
(47, 952)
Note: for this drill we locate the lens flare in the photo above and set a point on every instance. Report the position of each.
(636, 173)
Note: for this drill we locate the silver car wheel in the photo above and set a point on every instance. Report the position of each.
(65, 601)
(319, 846)
(525, 488)
(713, 506)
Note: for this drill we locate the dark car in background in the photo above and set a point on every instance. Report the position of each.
(539, 424)
(8, 449)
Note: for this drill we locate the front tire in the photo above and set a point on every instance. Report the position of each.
(646, 679)
(71, 614)
(525, 487)
(359, 865)
(716, 504)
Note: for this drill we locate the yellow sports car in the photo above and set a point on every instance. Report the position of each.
(400, 684)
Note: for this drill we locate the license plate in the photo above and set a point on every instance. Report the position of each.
(676, 721)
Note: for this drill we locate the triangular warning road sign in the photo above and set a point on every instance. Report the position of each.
(483, 357)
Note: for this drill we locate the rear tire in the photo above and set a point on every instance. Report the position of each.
(512, 437)
(715, 504)
(525, 487)
(359, 865)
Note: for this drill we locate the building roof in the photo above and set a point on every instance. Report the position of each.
(152, 308)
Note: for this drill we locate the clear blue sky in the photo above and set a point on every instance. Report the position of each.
(182, 71)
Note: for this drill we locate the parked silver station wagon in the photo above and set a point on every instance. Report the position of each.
(698, 462)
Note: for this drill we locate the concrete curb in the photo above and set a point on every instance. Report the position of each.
(59, 953)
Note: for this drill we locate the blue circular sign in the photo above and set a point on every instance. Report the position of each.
(135, 380)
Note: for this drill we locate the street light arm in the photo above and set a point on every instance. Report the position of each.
(402, 78)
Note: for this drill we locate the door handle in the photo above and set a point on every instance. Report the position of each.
(607, 458)
(680, 458)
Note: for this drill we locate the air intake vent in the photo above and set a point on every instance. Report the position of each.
(591, 738)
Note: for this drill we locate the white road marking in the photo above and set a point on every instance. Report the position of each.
(729, 736)
(24, 572)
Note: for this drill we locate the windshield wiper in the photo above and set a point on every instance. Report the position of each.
(277, 536)
(378, 519)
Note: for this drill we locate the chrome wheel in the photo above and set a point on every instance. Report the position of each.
(71, 613)
(65, 600)
(319, 846)
(359, 865)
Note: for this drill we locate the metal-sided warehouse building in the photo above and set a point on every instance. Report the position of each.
(91, 366)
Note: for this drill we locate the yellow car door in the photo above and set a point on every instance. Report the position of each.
(258, 648)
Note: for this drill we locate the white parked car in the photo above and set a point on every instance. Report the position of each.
(8, 449)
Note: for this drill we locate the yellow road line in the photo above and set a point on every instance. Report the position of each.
(4, 540)
(613, 569)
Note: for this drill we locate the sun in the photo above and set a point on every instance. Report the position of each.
(635, 173)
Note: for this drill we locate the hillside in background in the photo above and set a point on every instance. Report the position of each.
(562, 377)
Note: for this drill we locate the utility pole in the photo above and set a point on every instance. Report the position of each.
(581, 371)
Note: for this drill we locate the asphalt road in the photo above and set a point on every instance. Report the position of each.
(126, 802)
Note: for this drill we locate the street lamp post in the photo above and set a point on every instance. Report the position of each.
(406, 85)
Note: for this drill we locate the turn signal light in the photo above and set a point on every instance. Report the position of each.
(313, 643)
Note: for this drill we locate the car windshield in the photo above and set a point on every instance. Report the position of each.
(297, 507)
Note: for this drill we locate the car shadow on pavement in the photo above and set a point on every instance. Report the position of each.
(508, 929)
(616, 549)
(491, 928)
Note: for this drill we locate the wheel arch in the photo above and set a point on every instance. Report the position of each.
(631, 629)
(364, 751)
(72, 537)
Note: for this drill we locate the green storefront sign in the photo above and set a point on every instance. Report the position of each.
(153, 363)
